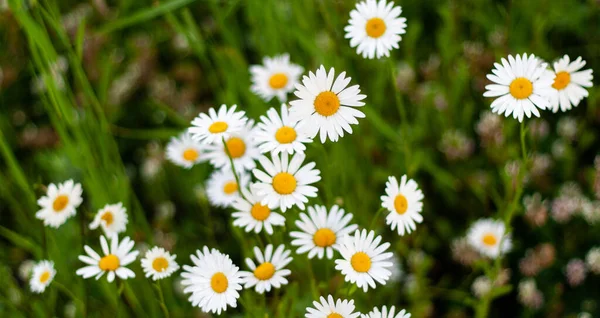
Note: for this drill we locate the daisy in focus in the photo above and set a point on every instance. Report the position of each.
(216, 125)
(184, 151)
(404, 202)
(214, 281)
(375, 27)
(569, 82)
(322, 231)
(326, 107)
(328, 308)
(488, 237)
(59, 203)
(42, 275)
(285, 183)
(158, 263)
(521, 85)
(279, 134)
(385, 313)
(112, 218)
(116, 257)
(363, 260)
(241, 146)
(276, 77)
(252, 215)
(222, 188)
(269, 271)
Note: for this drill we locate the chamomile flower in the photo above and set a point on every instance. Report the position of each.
(385, 313)
(116, 257)
(326, 106)
(216, 125)
(569, 82)
(158, 263)
(276, 77)
(213, 281)
(43, 274)
(404, 203)
(322, 231)
(285, 183)
(222, 188)
(59, 203)
(242, 148)
(363, 260)
(328, 308)
(184, 151)
(269, 271)
(375, 27)
(521, 84)
(112, 218)
(489, 237)
(279, 134)
(254, 216)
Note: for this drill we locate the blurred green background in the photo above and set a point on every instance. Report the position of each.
(93, 90)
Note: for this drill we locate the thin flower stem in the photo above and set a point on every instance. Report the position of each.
(237, 178)
(313, 285)
(69, 293)
(375, 218)
(44, 241)
(161, 299)
(403, 117)
(82, 223)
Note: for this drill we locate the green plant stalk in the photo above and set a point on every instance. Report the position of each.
(161, 299)
(237, 178)
(403, 117)
(71, 295)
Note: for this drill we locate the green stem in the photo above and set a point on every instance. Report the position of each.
(313, 285)
(69, 293)
(161, 299)
(403, 117)
(237, 178)
(375, 218)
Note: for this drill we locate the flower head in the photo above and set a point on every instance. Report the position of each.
(269, 271)
(404, 203)
(185, 151)
(489, 237)
(59, 203)
(216, 125)
(330, 308)
(570, 83)
(278, 133)
(116, 257)
(43, 274)
(158, 263)
(276, 77)
(112, 218)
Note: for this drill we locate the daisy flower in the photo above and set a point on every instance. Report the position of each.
(521, 84)
(321, 231)
(222, 188)
(184, 151)
(487, 235)
(59, 203)
(363, 259)
(375, 28)
(216, 125)
(254, 216)
(285, 183)
(385, 313)
(569, 82)
(326, 106)
(213, 281)
(276, 77)
(280, 134)
(115, 258)
(43, 274)
(269, 271)
(242, 147)
(404, 202)
(328, 308)
(112, 218)
(158, 263)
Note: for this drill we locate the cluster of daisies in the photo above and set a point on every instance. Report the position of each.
(524, 84)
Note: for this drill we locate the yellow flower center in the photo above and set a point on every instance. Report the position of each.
(327, 103)
(285, 135)
(278, 80)
(489, 239)
(109, 262)
(324, 237)
(218, 127)
(44, 277)
(521, 88)
(236, 147)
(334, 315)
(160, 264)
(219, 282)
(190, 154)
(375, 27)
(400, 204)
(108, 217)
(284, 183)
(60, 203)
(230, 187)
(561, 80)
(361, 262)
(260, 212)
(264, 271)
